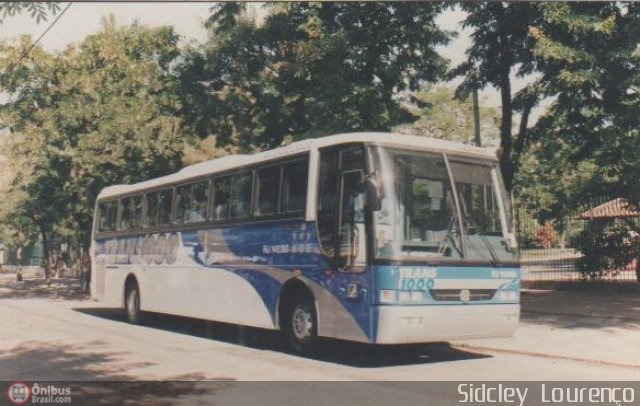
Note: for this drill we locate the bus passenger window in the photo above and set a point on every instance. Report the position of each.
(152, 210)
(165, 198)
(222, 193)
(192, 202)
(108, 216)
(183, 194)
(159, 208)
(131, 213)
(199, 199)
(267, 188)
(294, 186)
(241, 196)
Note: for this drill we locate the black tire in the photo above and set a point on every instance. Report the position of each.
(132, 303)
(301, 324)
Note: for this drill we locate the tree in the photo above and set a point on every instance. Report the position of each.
(310, 69)
(38, 10)
(441, 115)
(588, 57)
(99, 113)
(501, 47)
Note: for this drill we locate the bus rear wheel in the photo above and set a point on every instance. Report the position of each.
(132, 303)
(301, 325)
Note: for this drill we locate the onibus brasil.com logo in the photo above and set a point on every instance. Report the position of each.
(19, 393)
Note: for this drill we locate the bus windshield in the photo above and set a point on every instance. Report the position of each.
(418, 216)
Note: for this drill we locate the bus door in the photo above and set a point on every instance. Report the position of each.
(342, 227)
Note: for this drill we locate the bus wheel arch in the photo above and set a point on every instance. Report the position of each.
(132, 308)
(297, 316)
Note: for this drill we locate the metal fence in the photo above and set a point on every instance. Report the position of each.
(548, 252)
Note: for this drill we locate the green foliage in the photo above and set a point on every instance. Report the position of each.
(100, 113)
(309, 69)
(607, 248)
(37, 10)
(587, 142)
(441, 115)
(501, 47)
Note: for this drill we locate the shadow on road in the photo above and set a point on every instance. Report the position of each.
(97, 376)
(40, 360)
(339, 352)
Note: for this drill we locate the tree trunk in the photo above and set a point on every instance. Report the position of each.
(506, 140)
(506, 137)
(45, 252)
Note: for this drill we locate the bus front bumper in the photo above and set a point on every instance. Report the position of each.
(433, 323)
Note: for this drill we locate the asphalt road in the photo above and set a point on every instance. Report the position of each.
(49, 339)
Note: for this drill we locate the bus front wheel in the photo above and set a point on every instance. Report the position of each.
(301, 325)
(132, 303)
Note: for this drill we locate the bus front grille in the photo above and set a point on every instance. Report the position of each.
(456, 295)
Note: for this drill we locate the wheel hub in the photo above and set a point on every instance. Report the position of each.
(302, 323)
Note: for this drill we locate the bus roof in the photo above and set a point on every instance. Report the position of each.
(234, 161)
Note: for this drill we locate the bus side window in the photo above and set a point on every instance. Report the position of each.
(221, 196)
(192, 202)
(159, 208)
(240, 201)
(165, 199)
(199, 200)
(108, 216)
(294, 186)
(183, 195)
(328, 201)
(151, 217)
(267, 188)
(131, 212)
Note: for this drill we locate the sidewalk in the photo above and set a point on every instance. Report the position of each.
(591, 326)
(34, 286)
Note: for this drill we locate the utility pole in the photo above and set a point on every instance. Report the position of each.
(476, 117)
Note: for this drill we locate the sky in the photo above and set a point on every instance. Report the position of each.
(188, 19)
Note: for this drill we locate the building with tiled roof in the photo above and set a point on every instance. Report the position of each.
(616, 208)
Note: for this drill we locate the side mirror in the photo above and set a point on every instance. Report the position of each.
(373, 192)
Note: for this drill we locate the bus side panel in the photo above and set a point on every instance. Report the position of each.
(217, 295)
(268, 255)
(235, 274)
(182, 288)
(114, 283)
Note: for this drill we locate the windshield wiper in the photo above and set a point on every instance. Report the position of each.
(470, 220)
(442, 247)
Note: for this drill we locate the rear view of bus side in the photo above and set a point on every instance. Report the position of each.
(369, 237)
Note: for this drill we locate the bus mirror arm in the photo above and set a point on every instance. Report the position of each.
(373, 192)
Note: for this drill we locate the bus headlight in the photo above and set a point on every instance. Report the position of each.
(388, 296)
(417, 296)
(404, 296)
(508, 296)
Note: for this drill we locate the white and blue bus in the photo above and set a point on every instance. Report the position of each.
(369, 237)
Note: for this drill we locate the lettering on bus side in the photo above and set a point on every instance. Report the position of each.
(416, 278)
(153, 249)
